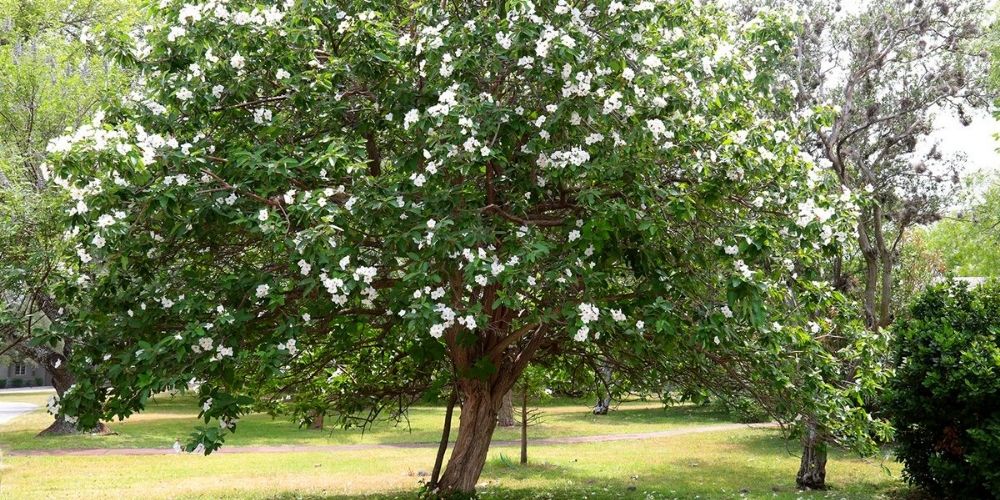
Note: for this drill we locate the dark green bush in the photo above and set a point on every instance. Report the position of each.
(944, 398)
(39, 381)
(3, 383)
(17, 383)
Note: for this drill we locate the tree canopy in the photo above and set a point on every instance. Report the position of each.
(385, 197)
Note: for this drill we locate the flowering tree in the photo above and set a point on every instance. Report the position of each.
(50, 78)
(890, 68)
(368, 196)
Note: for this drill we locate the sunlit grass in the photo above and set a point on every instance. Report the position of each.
(170, 418)
(730, 464)
(754, 463)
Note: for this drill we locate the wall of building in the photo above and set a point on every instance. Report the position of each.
(34, 375)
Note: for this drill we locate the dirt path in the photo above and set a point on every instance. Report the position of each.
(353, 447)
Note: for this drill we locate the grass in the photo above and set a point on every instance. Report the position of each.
(173, 417)
(745, 463)
(753, 463)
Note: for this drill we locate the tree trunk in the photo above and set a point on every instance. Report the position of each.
(812, 469)
(870, 254)
(524, 427)
(443, 447)
(885, 301)
(317, 420)
(604, 390)
(506, 417)
(62, 380)
(475, 430)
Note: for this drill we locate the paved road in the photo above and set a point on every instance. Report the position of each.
(10, 411)
(28, 390)
(353, 447)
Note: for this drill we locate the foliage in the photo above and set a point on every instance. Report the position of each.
(945, 396)
(969, 243)
(52, 76)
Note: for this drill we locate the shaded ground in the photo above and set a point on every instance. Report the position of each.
(604, 438)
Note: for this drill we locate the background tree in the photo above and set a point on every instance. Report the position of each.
(529, 388)
(969, 241)
(888, 67)
(300, 185)
(51, 78)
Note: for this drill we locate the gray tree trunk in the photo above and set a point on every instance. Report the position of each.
(812, 468)
(506, 416)
(604, 394)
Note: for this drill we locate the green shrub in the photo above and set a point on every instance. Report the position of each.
(3, 383)
(944, 398)
(17, 383)
(39, 381)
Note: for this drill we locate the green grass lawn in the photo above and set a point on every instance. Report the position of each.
(744, 463)
(710, 465)
(173, 417)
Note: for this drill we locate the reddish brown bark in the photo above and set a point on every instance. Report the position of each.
(475, 431)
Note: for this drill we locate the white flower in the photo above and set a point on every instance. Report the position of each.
(217, 91)
(588, 312)
(574, 235)
(237, 61)
(581, 334)
(263, 214)
(105, 221)
(184, 94)
(481, 280)
(726, 311)
(281, 74)
(732, 250)
(617, 315)
(410, 118)
(175, 33)
(469, 322)
(505, 40)
(262, 115)
(639, 325)
(263, 290)
(205, 343)
(656, 127)
(437, 331)
(304, 267)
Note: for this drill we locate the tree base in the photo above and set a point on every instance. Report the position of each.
(812, 468)
(63, 428)
(602, 407)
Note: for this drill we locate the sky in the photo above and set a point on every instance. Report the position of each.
(976, 140)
